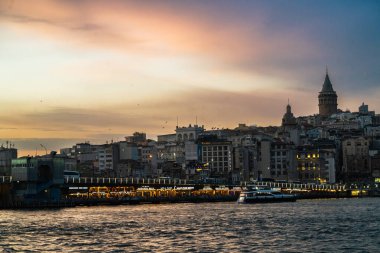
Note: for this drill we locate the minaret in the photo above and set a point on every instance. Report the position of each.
(327, 98)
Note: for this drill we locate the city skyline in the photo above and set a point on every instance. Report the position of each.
(91, 70)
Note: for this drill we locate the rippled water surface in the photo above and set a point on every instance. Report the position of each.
(335, 225)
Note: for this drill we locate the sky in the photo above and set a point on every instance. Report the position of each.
(74, 71)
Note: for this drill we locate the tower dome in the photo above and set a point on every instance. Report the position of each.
(288, 119)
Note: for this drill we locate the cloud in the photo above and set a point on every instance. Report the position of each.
(157, 116)
(109, 68)
(223, 43)
(290, 42)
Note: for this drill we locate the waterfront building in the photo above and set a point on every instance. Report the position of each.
(129, 159)
(107, 158)
(84, 158)
(149, 159)
(329, 167)
(217, 155)
(129, 168)
(70, 163)
(356, 159)
(79, 148)
(171, 152)
(282, 161)
(192, 151)
(327, 99)
(6, 156)
(263, 158)
(243, 157)
(38, 177)
(128, 151)
(310, 166)
(375, 165)
(330, 151)
(374, 153)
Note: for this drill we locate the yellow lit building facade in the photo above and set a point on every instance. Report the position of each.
(315, 166)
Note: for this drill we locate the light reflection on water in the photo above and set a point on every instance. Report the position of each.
(343, 225)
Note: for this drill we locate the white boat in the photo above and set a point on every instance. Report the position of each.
(264, 195)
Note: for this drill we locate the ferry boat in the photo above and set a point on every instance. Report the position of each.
(264, 195)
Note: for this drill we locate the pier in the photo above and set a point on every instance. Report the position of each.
(102, 191)
(151, 190)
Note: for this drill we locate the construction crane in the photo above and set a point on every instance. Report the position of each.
(44, 148)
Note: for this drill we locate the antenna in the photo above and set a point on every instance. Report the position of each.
(196, 120)
(177, 121)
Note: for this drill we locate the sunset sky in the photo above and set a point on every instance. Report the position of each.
(73, 71)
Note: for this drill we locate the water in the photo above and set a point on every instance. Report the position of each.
(334, 225)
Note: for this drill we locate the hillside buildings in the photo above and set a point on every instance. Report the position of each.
(329, 147)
